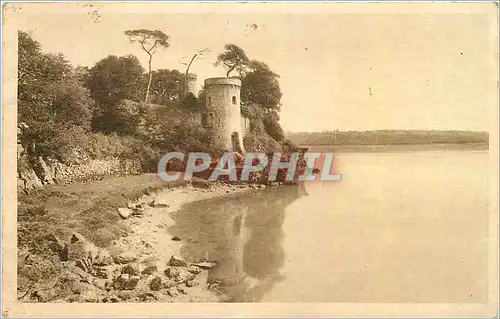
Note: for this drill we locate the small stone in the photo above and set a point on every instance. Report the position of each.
(155, 284)
(100, 283)
(168, 284)
(104, 272)
(89, 295)
(179, 274)
(148, 296)
(130, 269)
(150, 261)
(77, 237)
(172, 272)
(205, 265)
(159, 204)
(121, 281)
(194, 269)
(111, 298)
(138, 211)
(124, 295)
(103, 258)
(124, 212)
(176, 238)
(149, 270)
(78, 287)
(192, 283)
(200, 183)
(125, 257)
(172, 292)
(132, 283)
(177, 261)
(182, 290)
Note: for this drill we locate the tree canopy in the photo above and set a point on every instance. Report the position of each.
(261, 86)
(49, 93)
(150, 41)
(233, 59)
(114, 78)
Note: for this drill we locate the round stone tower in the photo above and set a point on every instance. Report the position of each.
(191, 83)
(222, 116)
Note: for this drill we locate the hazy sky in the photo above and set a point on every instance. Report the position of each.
(347, 71)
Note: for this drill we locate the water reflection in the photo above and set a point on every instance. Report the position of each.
(243, 233)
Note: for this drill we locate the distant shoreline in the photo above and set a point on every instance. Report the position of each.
(375, 148)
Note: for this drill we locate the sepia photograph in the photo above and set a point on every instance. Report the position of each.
(250, 159)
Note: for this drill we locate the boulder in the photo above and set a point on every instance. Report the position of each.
(125, 258)
(172, 272)
(100, 283)
(104, 272)
(177, 261)
(132, 283)
(192, 283)
(178, 274)
(130, 269)
(121, 281)
(149, 270)
(81, 248)
(58, 246)
(156, 284)
(82, 275)
(124, 212)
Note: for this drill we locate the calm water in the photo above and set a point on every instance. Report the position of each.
(399, 227)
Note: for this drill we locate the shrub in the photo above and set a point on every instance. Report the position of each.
(260, 142)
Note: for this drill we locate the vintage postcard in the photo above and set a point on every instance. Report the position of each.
(184, 159)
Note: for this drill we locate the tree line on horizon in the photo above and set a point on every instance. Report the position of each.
(383, 137)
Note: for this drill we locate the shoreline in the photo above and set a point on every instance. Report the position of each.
(149, 237)
(65, 256)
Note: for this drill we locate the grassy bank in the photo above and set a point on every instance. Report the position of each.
(87, 208)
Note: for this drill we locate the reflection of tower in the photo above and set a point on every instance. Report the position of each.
(191, 83)
(229, 270)
(222, 114)
(243, 234)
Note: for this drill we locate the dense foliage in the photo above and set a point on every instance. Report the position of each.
(79, 113)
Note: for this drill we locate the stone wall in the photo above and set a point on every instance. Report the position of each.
(38, 172)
